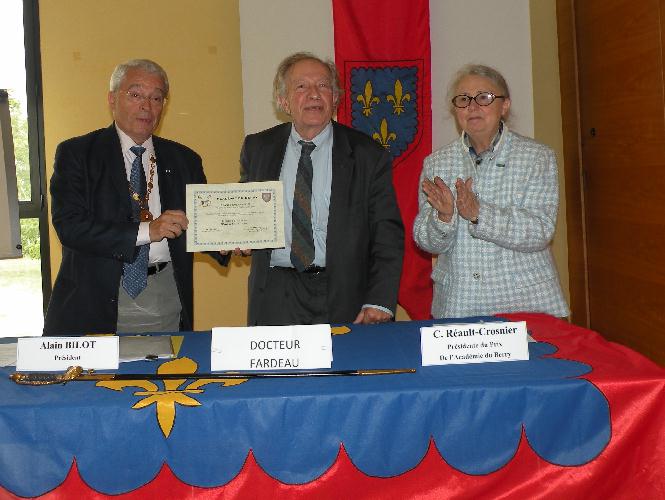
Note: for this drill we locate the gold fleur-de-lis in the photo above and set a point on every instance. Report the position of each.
(367, 100)
(166, 399)
(398, 99)
(383, 137)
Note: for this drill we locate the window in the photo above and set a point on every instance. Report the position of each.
(25, 282)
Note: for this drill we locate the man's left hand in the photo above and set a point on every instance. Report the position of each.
(170, 225)
(369, 316)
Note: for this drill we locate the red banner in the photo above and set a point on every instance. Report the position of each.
(382, 52)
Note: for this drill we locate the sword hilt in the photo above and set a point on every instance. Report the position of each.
(46, 378)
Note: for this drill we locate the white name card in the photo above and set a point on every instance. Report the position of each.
(474, 343)
(59, 353)
(296, 347)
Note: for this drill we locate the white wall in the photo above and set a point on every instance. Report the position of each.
(486, 32)
(270, 30)
(480, 31)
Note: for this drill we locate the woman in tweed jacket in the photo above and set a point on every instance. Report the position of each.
(488, 209)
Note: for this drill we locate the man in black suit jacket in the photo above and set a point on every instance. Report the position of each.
(94, 212)
(356, 224)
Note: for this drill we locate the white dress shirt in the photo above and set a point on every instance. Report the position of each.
(159, 250)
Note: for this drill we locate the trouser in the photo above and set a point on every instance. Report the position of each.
(293, 298)
(155, 309)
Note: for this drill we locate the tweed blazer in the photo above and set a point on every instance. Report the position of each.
(504, 262)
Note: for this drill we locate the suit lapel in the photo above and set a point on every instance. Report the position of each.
(273, 154)
(164, 173)
(275, 151)
(343, 166)
(111, 156)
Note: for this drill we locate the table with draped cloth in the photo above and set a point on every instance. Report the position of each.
(582, 417)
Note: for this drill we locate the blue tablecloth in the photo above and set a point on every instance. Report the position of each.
(475, 414)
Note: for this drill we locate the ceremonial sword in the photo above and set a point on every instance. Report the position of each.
(77, 374)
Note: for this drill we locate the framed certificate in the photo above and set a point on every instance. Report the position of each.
(237, 215)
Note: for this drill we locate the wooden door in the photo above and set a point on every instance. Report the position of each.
(622, 135)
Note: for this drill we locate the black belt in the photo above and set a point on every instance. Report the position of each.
(314, 270)
(307, 270)
(156, 268)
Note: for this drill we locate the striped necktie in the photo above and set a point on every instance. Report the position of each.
(302, 242)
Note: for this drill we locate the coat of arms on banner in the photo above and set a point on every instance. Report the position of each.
(385, 100)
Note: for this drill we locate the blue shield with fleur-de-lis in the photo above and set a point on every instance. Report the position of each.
(384, 104)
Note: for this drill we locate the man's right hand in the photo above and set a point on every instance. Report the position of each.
(237, 252)
(170, 224)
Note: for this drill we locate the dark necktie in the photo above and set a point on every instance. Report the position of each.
(135, 274)
(302, 242)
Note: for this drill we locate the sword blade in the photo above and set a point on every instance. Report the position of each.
(77, 374)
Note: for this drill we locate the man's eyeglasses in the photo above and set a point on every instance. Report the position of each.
(137, 98)
(481, 98)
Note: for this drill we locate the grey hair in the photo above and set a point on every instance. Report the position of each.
(279, 83)
(476, 70)
(147, 65)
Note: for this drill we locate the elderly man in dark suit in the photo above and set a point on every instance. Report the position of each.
(118, 200)
(344, 234)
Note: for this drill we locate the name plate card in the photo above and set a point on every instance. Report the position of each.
(59, 353)
(296, 347)
(474, 343)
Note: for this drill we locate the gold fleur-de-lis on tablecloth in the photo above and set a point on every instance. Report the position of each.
(166, 398)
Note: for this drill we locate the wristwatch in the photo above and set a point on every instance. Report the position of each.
(474, 220)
